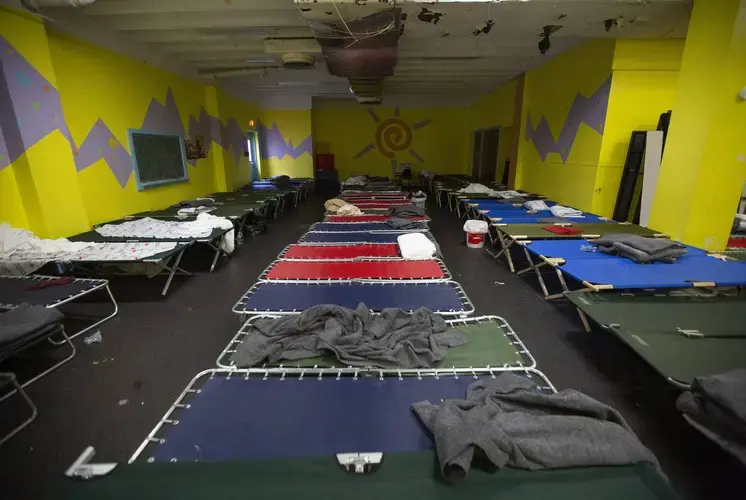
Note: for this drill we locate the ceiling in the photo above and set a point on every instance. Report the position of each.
(448, 52)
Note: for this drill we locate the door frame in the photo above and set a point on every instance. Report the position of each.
(481, 148)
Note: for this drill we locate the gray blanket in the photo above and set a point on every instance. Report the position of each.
(205, 202)
(508, 422)
(406, 211)
(639, 248)
(392, 339)
(24, 320)
(401, 223)
(716, 405)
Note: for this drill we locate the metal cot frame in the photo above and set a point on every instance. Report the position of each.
(100, 284)
(468, 306)
(446, 273)
(181, 404)
(224, 363)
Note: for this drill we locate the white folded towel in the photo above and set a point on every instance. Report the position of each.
(536, 205)
(415, 246)
(560, 211)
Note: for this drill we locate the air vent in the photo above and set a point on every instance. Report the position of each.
(297, 61)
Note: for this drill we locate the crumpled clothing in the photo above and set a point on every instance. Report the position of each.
(513, 425)
(716, 405)
(476, 188)
(562, 211)
(536, 205)
(357, 180)
(334, 204)
(349, 210)
(197, 202)
(187, 211)
(391, 339)
(639, 248)
(406, 211)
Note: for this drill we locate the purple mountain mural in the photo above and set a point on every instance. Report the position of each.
(588, 110)
(272, 143)
(38, 111)
(34, 101)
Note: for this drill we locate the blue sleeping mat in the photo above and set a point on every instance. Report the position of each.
(254, 419)
(623, 273)
(287, 297)
(572, 249)
(363, 226)
(352, 237)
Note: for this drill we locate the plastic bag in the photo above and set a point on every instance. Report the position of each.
(476, 226)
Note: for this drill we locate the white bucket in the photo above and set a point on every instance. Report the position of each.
(419, 202)
(475, 240)
(475, 233)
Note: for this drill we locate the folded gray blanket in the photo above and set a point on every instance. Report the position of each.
(26, 319)
(406, 211)
(716, 405)
(510, 423)
(392, 339)
(639, 248)
(206, 202)
(401, 223)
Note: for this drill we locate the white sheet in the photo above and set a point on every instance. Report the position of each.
(536, 205)
(357, 180)
(508, 194)
(562, 211)
(415, 246)
(147, 227)
(476, 188)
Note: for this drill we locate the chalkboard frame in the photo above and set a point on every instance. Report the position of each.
(133, 158)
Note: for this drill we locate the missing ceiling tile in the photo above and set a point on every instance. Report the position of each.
(545, 44)
(429, 16)
(610, 23)
(485, 29)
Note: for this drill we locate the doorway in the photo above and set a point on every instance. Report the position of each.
(252, 151)
(485, 145)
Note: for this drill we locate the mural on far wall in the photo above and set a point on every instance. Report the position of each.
(393, 136)
(272, 143)
(38, 112)
(589, 110)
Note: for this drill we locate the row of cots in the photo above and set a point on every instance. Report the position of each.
(313, 428)
(683, 318)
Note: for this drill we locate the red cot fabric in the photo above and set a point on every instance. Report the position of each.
(368, 218)
(735, 242)
(379, 269)
(341, 251)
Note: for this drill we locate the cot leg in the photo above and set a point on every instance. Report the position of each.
(218, 252)
(173, 269)
(563, 283)
(95, 325)
(584, 319)
(49, 370)
(12, 379)
(535, 267)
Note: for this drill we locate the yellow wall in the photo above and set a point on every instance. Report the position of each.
(44, 191)
(294, 126)
(549, 93)
(439, 136)
(643, 86)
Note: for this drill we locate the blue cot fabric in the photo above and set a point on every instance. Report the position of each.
(353, 237)
(407, 296)
(624, 273)
(362, 226)
(255, 419)
(572, 249)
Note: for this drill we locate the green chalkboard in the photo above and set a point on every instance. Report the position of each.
(158, 159)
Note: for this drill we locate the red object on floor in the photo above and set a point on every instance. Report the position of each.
(64, 280)
(562, 230)
(381, 203)
(369, 218)
(341, 251)
(377, 269)
(736, 242)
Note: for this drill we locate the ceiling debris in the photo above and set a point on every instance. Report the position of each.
(610, 23)
(485, 29)
(545, 43)
(429, 16)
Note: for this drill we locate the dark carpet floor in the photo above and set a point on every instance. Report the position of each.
(113, 393)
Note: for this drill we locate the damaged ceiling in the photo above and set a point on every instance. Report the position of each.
(411, 52)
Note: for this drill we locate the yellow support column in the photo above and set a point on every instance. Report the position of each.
(704, 165)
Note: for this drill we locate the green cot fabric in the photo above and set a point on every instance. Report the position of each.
(650, 324)
(227, 209)
(736, 254)
(406, 476)
(488, 345)
(536, 231)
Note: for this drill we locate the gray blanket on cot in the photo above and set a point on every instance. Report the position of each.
(716, 405)
(26, 319)
(406, 211)
(639, 248)
(508, 422)
(400, 223)
(391, 339)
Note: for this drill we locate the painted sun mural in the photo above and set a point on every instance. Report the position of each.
(393, 139)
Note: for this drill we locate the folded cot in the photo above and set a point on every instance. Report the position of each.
(682, 336)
